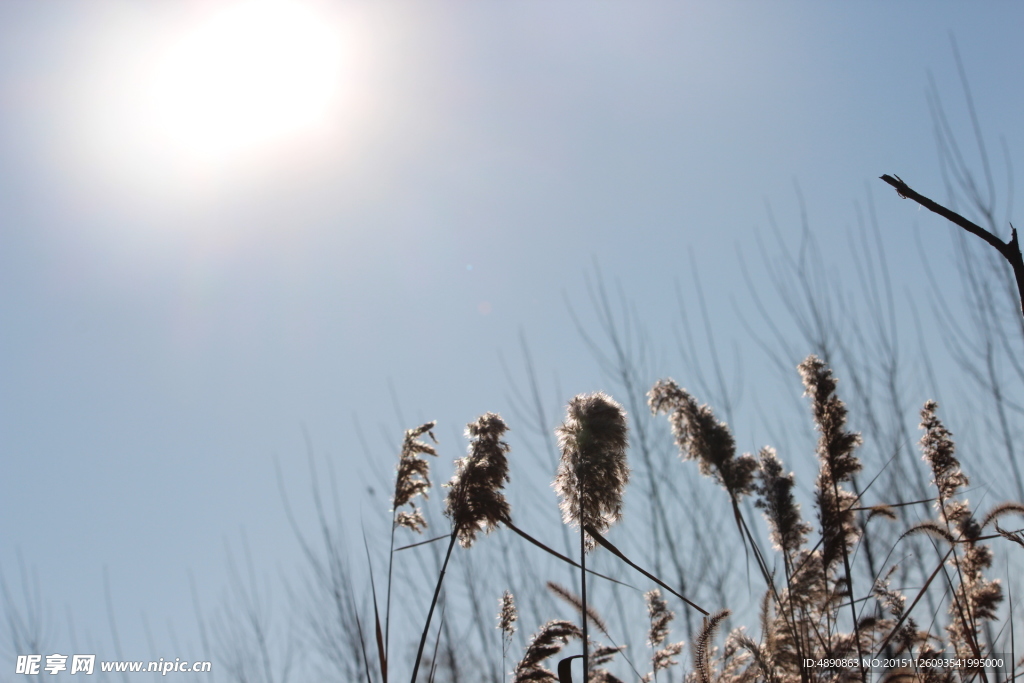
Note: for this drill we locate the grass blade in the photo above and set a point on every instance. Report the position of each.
(618, 553)
(437, 643)
(362, 646)
(429, 540)
(562, 557)
(433, 604)
(564, 670)
(381, 655)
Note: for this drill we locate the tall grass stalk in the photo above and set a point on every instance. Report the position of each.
(507, 617)
(591, 476)
(475, 501)
(412, 479)
(838, 464)
(816, 613)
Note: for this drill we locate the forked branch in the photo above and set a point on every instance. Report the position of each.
(1009, 250)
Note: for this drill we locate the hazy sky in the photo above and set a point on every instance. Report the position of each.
(174, 314)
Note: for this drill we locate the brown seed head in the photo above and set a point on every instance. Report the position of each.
(939, 451)
(507, 615)
(835, 445)
(593, 471)
(548, 641)
(475, 501)
(837, 463)
(413, 478)
(775, 497)
(577, 604)
(702, 438)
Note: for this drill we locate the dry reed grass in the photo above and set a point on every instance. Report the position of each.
(810, 613)
(593, 472)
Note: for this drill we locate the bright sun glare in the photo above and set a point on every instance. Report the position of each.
(252, 74)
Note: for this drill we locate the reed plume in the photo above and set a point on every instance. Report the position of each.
(475, 500)
(548, 641)
(907, 636)
(577, 604)
(591, 476)
(976, 598)
(507, 617)
(593, 471)
(413, 478)
(603, 654)
(703, 438)
(661, 616)
(775, 497)
(939, 451)
(837, 463)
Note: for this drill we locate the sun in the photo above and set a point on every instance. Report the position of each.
(252, 74)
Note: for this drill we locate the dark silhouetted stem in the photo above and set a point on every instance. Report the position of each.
(605, 543)
(508, 523)
(583, 580)
(387, 602)
(1009, 250)
(433, 603)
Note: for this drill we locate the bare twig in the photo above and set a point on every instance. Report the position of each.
(1009, 250)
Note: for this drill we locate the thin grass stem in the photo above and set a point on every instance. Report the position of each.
(381, 652)
(563, 558)
(601, 540)
(387, 600)
(433, 603)
(583, 594)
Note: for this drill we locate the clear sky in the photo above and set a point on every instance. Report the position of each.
(183, 296)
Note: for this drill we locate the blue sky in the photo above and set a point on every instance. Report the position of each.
(170, 328)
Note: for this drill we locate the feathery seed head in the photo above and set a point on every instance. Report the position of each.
(475, 500)
(548, 641)
(663, 658)
(701, 437)
(660, 615)
(775, 497)
(577, 604)
(839, 527)
(892, 600)
(599, 655)
(411, 520)
(977, 598)
(939, 451)
(837, 463)
(835, 445)
(701, 648)
(593, 471)
(413, 478)
(508, 615)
